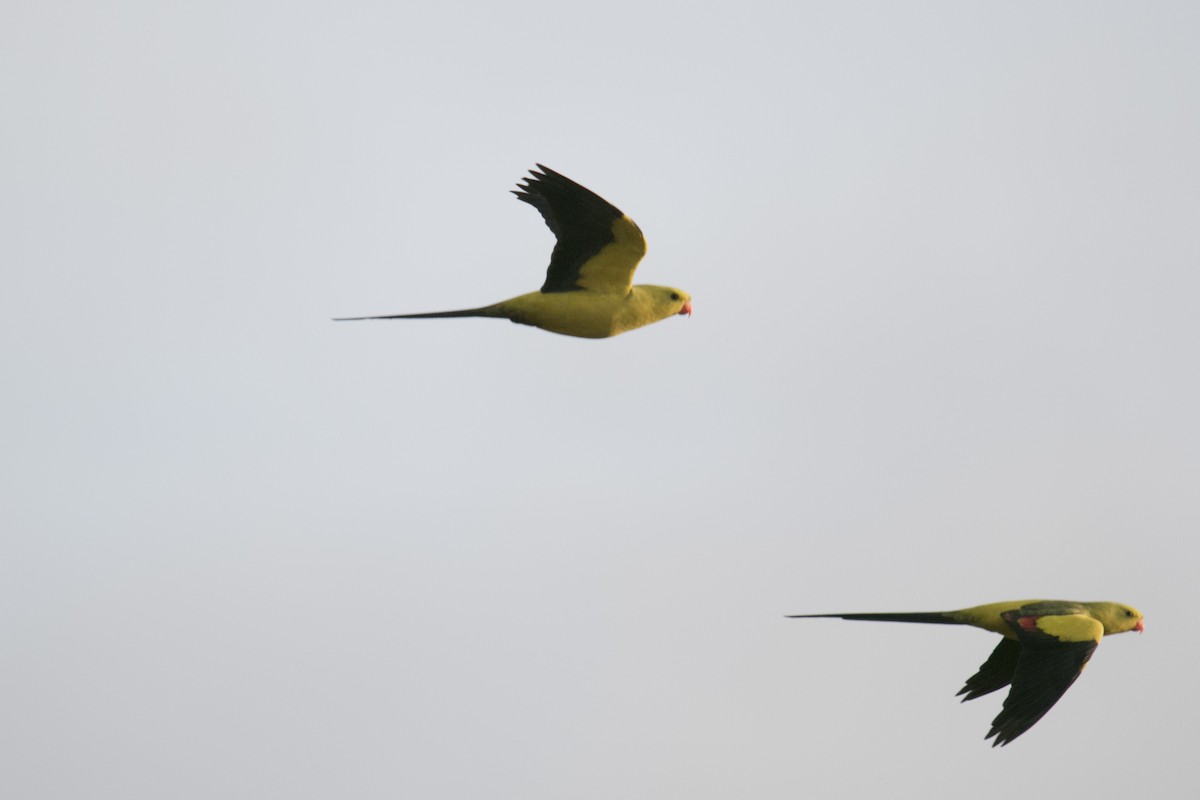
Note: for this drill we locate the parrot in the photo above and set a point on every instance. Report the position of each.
(589, 289)
(1045, 647)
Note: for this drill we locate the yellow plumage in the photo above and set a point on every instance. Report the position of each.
(1046, 645)
(589, 289)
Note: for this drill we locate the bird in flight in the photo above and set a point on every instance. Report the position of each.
(1045, 647)
(589, 289)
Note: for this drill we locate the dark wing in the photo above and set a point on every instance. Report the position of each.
(995, 673)
(1054, 650)
(598, 247)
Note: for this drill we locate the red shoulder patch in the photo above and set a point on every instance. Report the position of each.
(1028, 623)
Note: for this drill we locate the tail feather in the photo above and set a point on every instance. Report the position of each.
(485, 311)
(930, 617)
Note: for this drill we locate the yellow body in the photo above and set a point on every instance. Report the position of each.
(593, 315)
(1065, 620)
(607, 302)
(589, 289)
(1046, 645)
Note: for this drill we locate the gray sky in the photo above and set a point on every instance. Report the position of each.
(944, 262)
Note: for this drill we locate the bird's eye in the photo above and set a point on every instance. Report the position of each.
(674, 295)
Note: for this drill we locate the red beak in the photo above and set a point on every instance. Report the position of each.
(1141, 626)
(687, 308)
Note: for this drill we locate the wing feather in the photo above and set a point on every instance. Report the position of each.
(598, 247)
(1054, 650)
(995, 673)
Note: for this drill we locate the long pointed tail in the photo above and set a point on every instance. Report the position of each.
(485, 311)
(931, 617)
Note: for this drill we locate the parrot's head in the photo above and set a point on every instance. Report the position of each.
(1118, 618)
(682, 298)
(666, 301)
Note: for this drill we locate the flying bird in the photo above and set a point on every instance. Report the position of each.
(1045, 647)
(589, 289)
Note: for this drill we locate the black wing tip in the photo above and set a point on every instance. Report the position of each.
(1007, 729)
(539, 174)
(974, 693)
(529, 187)
(971, 694)
(1002, 737)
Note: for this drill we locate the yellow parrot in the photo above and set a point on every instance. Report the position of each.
(1045, 647)
(589, 289)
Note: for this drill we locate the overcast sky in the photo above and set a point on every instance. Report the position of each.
(946, 275)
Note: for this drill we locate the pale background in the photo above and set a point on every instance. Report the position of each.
(945, 266)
